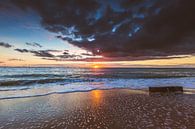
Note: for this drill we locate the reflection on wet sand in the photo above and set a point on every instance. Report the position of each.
(97, 96)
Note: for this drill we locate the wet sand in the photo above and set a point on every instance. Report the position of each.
(115, 109)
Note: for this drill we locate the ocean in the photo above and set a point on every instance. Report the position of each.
(17, 82)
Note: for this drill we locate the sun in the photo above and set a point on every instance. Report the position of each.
(96, 66)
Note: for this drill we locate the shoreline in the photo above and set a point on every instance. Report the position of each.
(144, 90)
(69, 92)
(115, 108)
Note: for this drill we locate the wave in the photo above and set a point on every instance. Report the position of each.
(14, 89)
(88, 86)
(85, 79)
(107, 74)
(140, 76)
(29, 82)
(42, 81)
(33, 75)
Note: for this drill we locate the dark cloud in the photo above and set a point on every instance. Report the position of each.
(1, 62)
(4, 5)
(49, 50)
(46, 54)
(42, 53)
(134, 29)
(69, 56)
(22, 50)
(132, 58)
(66, 56)
(6, 45)
(65, 53)
(53, 50)
(34, 44)
(39, 53)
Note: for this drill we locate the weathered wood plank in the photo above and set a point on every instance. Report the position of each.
(165, 90)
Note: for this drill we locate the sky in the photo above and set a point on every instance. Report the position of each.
(108, 33)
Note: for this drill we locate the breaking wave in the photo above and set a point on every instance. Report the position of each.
(16, 83)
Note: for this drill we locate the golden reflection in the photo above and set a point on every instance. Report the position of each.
(97, 96)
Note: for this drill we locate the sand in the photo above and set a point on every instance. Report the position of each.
(117, 108)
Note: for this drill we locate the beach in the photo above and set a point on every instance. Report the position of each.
(97, 64)
(111, 109)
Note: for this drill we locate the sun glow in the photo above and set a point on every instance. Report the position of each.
(96, 66)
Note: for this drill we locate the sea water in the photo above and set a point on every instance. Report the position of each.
(19, 82)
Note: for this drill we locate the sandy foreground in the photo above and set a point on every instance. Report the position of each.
(114, 109)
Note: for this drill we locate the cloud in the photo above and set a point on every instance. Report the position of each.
(47, 54)
(42, 53)
(70, 56)
(132, 58)
(22, 50)
(87, 54)
(34, 44)
(131, 30)
(1, 62)
(15, 59)
(66, 56)
(49, 50)
(6, 45)
(39, 53)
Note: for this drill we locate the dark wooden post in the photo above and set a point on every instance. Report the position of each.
(166, 90)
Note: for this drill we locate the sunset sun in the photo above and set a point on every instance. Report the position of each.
(96, 66)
